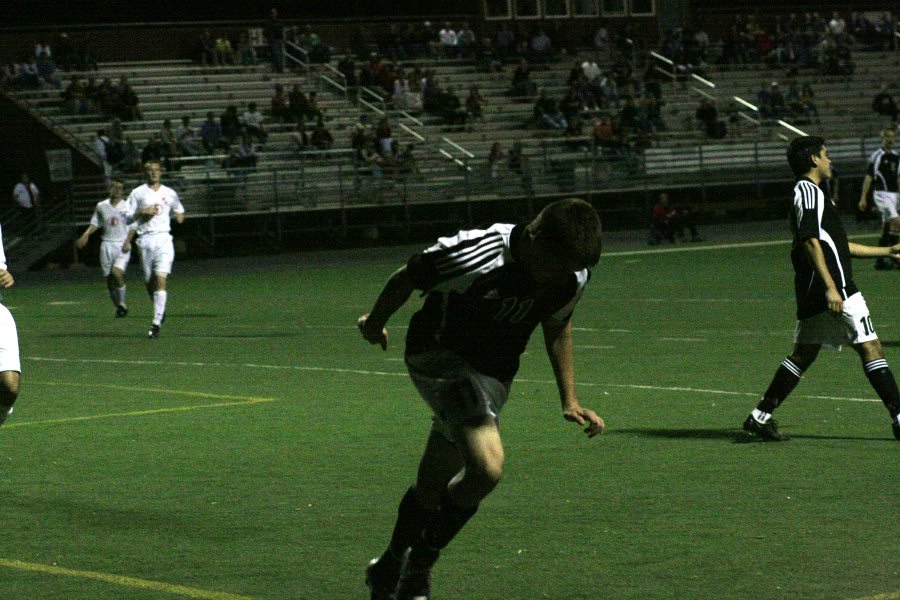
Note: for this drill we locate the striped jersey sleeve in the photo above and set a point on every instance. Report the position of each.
(808, 199)
(454, 262)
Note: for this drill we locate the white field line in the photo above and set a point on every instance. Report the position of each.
(659, 388)
(704, 248)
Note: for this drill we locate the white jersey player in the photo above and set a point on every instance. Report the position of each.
(112, 216)
(152, 205)
(10, 367)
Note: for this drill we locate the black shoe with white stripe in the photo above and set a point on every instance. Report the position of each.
(154, 332)
(767, 431)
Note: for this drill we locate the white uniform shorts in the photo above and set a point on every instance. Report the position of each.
(887, 205)
(9, 342)
(111, 256)
(456, 393)
(853, 326)
(157, 254)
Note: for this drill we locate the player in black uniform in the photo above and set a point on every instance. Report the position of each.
(830, 308)
(485, 293)
(883, 170)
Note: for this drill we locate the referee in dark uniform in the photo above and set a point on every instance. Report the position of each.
(830, 308)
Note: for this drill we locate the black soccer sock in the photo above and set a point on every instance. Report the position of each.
(783, 383)
(449, 519)
(882, 379)
(411, 519)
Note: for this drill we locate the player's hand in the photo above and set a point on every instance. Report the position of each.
(81, 242)
(894, 251)
(862, 205)
(126, 247)
(591, 421)
(6, 279)
(373, 337)
(835, 302)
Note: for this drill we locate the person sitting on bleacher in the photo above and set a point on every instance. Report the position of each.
(883, 104)
(542, 47)
(321, 138)
(278, 106)
(242, 156)
(211, 135)
(207, 48)
(522, 85)
(474, 106)
(451, 109)
(300, 139)
(75, 99)
(708, 116)
(253, 123)
(169, 140)
(128, 101)
(189, 144)
(231, 125)
(547, 113)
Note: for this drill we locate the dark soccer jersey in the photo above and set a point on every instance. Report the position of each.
(884, 168)
(480, 301)
(815, 217)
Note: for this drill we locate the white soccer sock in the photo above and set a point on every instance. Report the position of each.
(120, 296)
(159, 307)
(760, 416)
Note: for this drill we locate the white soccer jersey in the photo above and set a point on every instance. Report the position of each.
(143, 197)
(2, 252)
(113, 220)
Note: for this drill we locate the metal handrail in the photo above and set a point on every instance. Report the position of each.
(301, 50)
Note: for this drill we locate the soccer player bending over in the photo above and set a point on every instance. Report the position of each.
(485, 293)
(830, 308)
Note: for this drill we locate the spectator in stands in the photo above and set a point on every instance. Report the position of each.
(207, 49)
(298, 104)
(27, 197)
(314, 110)
(884, 104)
(46, 72)
(75, 98)
(651, 108)
(451, 109)
(243, 157)
(128, 101)
(541, 47)
(274, 32)
(629, 117)
(494, 160)
(321, 138)
(808, 103)
(154, 150)
(449, 41)
(571, 106)
(101, 148)
(246, 54)
(116, 132)
(517, 162)
(779, 104)
(347, 66)
(606, 137)
(764, 101)
(131, 156)
(522, 85)
(211, 135)
(384, 138)
(224, 50)
(189, 143)
(474, 106)
(106, 98)
(610, 93)
(838, 27)
(253, 123)
(708, 116)
(230, 123)
(279, 105)
(169, 141)
(300, 139)
(547, 113)
(466, 41)
(601, 41)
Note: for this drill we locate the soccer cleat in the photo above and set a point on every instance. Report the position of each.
(381, 578)
(121, 311)
(154, 332)
(895, 426)
(767, 431)
(415, 576)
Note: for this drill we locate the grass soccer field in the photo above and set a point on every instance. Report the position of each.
(259, 447)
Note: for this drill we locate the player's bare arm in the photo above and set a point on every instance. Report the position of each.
(126, 245)
(6, 279)
(395, 293)
(817, 257)
(558, 342)
(82, 241)
(863, 251)
(867, 183)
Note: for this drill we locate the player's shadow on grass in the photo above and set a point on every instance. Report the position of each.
(890, 343)
(737, 436)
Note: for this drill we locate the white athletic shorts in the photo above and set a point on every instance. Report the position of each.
(887, 205)
(157, 254)
(456, 393)
(111, 256)
(9, 342)
(853, 326)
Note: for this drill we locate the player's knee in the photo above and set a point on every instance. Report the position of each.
(9, 387)
(804, 357)
(870, 350)
(488, 469)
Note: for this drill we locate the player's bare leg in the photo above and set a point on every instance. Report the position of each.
(9, 391)
(440, 462)
(482, 454)
(882, 379)
(115, 283)
(156, 287)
